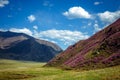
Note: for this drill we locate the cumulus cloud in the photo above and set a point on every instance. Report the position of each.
(31, 18)
(22, 30)
(3, 3)
(77, 12)
(97, 3)
(108, 16)
(35, 27)
(66, 36)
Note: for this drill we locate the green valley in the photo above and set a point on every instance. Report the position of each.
(23, 70)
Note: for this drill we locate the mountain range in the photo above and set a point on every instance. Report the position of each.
(19, 46)
(99, 51)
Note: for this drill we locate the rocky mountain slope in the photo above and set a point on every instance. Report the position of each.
(19, 46)
(99, 51)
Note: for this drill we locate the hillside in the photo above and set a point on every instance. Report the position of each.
(99, 51)
(19, 46)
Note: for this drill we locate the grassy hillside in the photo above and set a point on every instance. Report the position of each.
(101, 50)
(18, 70)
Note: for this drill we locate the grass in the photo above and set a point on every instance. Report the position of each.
(22, 70)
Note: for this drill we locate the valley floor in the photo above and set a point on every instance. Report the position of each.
(22, 70)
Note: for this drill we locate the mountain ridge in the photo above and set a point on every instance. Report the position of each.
(100, 50)
(20, 46)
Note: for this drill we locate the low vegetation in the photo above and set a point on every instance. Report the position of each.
(22, 70)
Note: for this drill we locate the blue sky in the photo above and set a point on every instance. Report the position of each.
(63, 22)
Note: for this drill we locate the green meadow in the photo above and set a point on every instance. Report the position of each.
(23, 70)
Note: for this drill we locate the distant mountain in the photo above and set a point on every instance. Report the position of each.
(99, 51)
(19, 46)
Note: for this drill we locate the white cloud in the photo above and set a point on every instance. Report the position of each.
(108, 16)
(31, 18)
(97, 3)
(35, 33)
(77, 12)
(49, 40)
(96, 27)
(22, 30)
(66, 36)
(35, 27)
(3, 3)
(53, 42)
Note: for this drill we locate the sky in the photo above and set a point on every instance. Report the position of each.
(63, 22)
